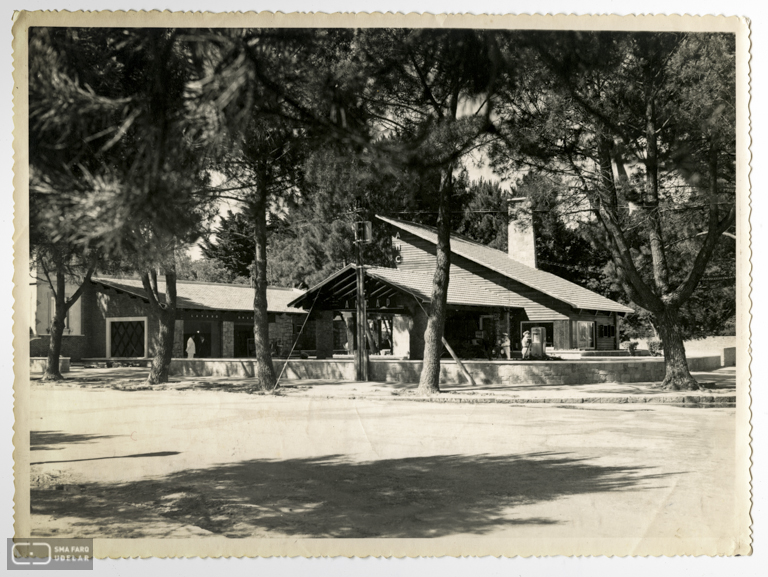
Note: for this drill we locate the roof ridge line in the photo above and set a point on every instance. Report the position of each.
(454, 235)
(198, 282)
(499, 270)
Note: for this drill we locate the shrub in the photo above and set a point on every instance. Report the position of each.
(655, 347)
(631, 346)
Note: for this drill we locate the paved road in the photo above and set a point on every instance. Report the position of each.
(176, 463)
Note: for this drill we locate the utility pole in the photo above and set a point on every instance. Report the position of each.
(362, 235)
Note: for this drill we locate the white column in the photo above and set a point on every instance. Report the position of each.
(401, 336)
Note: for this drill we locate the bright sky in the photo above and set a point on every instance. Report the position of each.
(475, 173)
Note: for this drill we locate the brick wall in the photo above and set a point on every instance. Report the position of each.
(178, 340)
(98, 305)
(228, 339)
(283, 332)
(72, 346)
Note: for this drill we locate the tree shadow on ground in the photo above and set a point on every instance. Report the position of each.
(722, 379)
(334, 497)
(46, 440)
(134, 456)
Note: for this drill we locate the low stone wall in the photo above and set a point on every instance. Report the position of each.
(571, 354)
(39, 364)
(337, 369)
(484, 372)
(728, 357)
(581, 372)
(117, 361)
(527, 372)
(709, 363)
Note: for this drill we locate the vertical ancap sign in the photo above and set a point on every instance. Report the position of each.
(521, 236)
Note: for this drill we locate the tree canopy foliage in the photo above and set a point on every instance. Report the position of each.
(640, 126)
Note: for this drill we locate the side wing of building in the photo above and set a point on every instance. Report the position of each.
(569, 328)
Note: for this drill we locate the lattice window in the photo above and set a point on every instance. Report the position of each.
(127, 338)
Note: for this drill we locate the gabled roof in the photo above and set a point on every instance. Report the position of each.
(498, 261)
(209, 295)
(460, 291)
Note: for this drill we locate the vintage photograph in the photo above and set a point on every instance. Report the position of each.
(390, 286)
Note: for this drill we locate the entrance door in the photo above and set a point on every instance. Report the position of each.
(586, 334)
(201, 334)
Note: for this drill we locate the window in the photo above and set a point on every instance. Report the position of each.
(52, 314)
(606, 331)
(585, 334)
(127, 337)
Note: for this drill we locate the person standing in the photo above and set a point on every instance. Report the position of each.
(526, 345)
(505, 346)
(191, 347)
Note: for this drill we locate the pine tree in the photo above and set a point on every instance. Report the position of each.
(122, 106)
(641, 128)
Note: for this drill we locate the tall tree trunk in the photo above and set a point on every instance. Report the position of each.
(162, 345)
(265, 372)
(62, 306)
(677, 376)
(664, 317)
(651, 198)
(165, 315)
(52, 371)
(429, 382)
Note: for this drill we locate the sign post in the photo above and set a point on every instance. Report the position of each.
(363, 234)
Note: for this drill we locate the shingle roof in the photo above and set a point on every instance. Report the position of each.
(460, 291)
(211, 296)
(498, 261)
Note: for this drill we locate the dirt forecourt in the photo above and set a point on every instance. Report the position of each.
(178, 463)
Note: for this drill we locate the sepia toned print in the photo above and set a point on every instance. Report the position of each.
(382, 285)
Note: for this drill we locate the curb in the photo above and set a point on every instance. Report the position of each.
(687, 400)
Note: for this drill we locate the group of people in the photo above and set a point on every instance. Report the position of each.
(196, 346)
(505, 345)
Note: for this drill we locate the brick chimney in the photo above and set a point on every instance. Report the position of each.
(521, 243)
